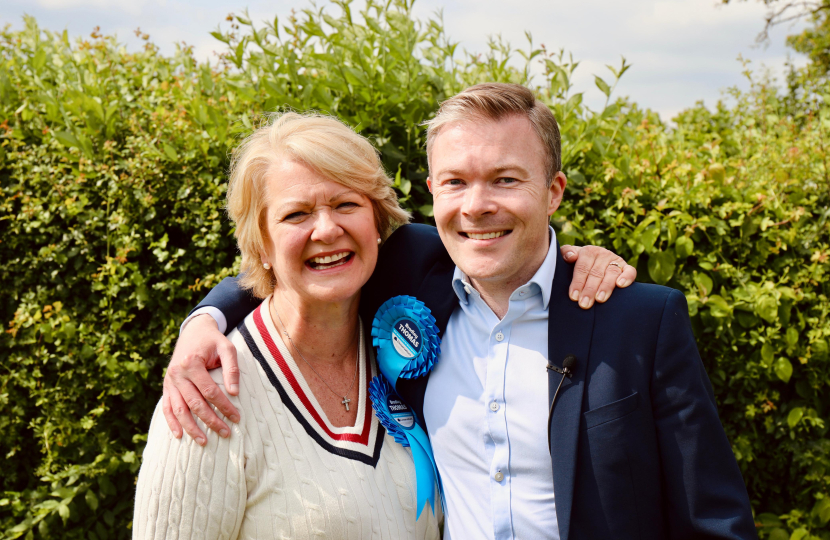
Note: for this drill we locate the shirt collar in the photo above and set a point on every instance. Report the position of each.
(542, 280)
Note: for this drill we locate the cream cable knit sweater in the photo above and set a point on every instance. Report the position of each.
(271, 478)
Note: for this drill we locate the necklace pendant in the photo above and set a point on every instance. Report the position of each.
(345, 403)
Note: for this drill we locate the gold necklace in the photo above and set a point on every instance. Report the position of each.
(346, 399)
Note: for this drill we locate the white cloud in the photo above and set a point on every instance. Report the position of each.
(132, 7)
(682, 51)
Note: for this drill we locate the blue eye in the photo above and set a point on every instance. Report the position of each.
(507, 180)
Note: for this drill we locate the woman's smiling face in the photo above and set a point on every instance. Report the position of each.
(322, 241)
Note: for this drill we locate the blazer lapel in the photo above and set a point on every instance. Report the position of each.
(569, 332)
(436, 292)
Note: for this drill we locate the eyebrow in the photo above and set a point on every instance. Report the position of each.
(343, 194)
(495, 170)
(305, 203)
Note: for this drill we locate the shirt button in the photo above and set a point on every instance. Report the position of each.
(521, 293)
(499, 336)
(494, 406)
(498, 477)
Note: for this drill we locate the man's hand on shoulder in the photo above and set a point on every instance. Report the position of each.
(596, 272)
(188, 387)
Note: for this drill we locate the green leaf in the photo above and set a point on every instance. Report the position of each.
(820, 349)
(718, 307)
(684, 247)
(171, 152)
(768, 520)
(822, 510)
(767, 354)
(783, 369)
(603, 86)
(794, 416)
(91, 499)
(799, 534)
(661, 266)
(648, 237)
(704, 283)
(39, 60)
(86, 145)
(220, 36)
(792, 336)
(767, 308)
(717, 172)
(66, 139)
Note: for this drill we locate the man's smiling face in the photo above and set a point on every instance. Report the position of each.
(491, 202)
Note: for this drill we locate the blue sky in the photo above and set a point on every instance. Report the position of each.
(682, 51)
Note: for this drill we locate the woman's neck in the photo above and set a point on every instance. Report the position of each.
(324, 332)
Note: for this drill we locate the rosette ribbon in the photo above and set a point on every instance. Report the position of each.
(399, 420)
(406, 338)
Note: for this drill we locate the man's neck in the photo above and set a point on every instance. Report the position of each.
(497, 298)
(496, 293)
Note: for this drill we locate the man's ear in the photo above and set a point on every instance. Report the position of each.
(429, 184)
(556, 192)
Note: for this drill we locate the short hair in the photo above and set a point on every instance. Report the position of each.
(320, 142)
(495, 101)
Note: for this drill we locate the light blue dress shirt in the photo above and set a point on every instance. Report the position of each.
(486, 410)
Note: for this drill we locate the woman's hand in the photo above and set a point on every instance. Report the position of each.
(188, 388)
(596, 272)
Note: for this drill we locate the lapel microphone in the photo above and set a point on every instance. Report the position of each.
(567, 371)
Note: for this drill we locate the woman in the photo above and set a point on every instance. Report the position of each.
(308, 458)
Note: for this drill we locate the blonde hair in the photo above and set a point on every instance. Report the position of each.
(317, 141)
(495, 101)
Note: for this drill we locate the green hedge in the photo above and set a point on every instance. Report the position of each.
(112, 178)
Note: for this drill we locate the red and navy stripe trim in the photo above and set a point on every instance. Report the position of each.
(362, 438)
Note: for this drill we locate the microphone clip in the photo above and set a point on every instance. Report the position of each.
(563, 371)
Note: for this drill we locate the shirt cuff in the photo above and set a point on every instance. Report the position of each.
(217, 315)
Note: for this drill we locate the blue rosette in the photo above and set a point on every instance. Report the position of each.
(399, 420)
(406, 338)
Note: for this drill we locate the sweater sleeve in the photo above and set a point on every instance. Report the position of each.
(188, 491)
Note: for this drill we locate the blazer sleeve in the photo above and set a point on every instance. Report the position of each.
(705, 493)
(233, 301)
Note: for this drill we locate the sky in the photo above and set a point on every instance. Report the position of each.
(681, 51)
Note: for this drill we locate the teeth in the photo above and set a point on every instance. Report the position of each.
(335, 265)
(486, 236)
(330, 259)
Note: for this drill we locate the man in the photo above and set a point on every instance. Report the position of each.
(632, 446)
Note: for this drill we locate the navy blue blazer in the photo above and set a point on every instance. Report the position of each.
(637, 448)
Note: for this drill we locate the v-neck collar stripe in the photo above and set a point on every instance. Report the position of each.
(361, 455)
(362, 402)
(306, 404)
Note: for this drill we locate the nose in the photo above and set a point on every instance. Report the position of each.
(326, 229)
(478, 201)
